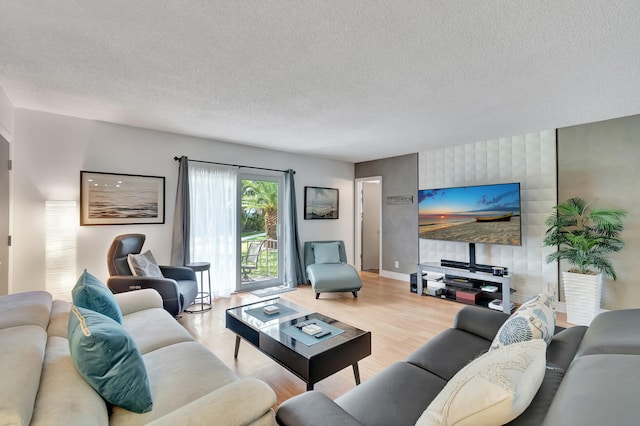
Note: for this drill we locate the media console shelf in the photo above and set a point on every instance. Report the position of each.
(457, 279)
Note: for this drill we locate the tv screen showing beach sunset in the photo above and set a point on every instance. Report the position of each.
(476, 214)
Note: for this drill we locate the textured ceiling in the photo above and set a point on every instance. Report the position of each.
(352, 80)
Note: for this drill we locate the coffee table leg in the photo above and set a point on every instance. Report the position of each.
(235, 352)
(309, 386)
(356, 373)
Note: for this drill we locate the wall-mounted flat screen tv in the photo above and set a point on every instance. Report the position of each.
(486, 214)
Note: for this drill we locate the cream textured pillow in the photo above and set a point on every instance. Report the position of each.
(534, 319)
(493, 389)
(144, 265)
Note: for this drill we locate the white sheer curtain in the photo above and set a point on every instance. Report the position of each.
(212, 192)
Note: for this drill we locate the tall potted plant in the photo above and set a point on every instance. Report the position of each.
(586, 237)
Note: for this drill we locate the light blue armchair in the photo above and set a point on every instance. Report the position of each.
(327, 268)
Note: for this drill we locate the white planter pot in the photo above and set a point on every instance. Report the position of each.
(582, 293)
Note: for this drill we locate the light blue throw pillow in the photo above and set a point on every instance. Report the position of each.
(91, 293)
(326, 252)
(109, 360)
(534, 319)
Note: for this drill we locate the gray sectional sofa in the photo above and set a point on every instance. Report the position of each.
(189, 385)
(591, 379)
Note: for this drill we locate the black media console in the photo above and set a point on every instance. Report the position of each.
(475, 285)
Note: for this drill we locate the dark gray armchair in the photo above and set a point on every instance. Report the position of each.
(178, 288)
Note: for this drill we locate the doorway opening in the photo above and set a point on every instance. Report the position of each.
(260, 216)
(368, 241)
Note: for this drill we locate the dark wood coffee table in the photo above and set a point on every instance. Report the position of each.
(310, 363)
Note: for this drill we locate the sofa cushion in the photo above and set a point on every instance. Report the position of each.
(108, 359)
(295, 411)
(396, 396)
(59, 320)
(598, 390)
(326, 252)
(560, 353)
(613, 332)
(64, 397)
(534, 319)
(459, 346)
(152, 329)
(492, 390)
(564, 346)
(480, 321)
(91, 293)
(537, 410)
(28, 308)
(138, 300)
(228, 405)
(178, 374)
(21, 360)
(144, 265)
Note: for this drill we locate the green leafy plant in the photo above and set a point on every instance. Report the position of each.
(585, 236)
(261, 197)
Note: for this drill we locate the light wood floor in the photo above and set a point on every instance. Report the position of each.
(399, 322)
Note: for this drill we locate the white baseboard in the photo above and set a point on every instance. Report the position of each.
(395, 275)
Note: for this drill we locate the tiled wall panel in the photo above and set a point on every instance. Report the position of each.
(529, 159)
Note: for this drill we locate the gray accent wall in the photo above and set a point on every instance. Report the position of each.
(600, 162)
(399, 221)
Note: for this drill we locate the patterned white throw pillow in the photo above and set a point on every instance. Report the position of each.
(144, 265)
(492, 390)
(534, 319)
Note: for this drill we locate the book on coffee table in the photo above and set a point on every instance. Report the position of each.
(271, 309)
(312, 329)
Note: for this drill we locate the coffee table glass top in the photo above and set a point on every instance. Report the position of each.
(258, 322)
(274, 327)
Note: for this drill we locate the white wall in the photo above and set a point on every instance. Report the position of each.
(50, 150)
(529, 159)
(599, 163)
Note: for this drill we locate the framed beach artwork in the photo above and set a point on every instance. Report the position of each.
(320, 203)
(120, 199)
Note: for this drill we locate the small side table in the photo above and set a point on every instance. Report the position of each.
(202, 295)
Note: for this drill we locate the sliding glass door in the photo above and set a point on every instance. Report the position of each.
(259, 232)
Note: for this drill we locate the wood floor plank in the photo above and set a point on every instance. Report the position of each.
(399, 322)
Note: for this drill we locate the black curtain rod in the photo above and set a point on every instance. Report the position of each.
(233, 165)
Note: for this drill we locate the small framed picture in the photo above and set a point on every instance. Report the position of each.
(320, 203)
(120, 199)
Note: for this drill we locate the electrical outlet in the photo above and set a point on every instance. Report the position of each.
(397, 264)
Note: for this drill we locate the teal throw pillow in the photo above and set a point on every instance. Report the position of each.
(534, 319)
(326, 252)
(109, 360)
(91, 293)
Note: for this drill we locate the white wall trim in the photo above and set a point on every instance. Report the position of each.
(395, 275)
(357, 246)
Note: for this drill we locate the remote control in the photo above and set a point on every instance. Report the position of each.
(324, 333)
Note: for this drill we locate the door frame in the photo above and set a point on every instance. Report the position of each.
(358, 220)
(255, 285)
(4, 239)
